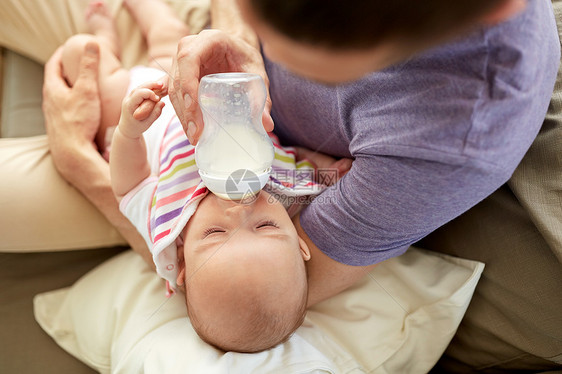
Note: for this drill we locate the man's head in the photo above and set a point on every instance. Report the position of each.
(244, 273)
(335, 41)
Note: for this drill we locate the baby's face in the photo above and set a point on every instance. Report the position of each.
(224, 228)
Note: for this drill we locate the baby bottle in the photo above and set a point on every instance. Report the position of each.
(234, 154)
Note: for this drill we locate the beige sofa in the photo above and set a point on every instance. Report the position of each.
(24, 346)
(29, 267)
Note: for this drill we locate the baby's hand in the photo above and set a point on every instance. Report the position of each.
(342, 166)
(326, 165)
(141, 108)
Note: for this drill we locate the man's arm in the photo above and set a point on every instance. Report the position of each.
(88, 172)
(72, 117)
(226, 16)
(327, 277)
(381, 206)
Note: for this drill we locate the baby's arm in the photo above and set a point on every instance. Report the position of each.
(128, 160)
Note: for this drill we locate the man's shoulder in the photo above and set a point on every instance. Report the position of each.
(482, 98)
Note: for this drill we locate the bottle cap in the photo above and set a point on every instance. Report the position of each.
(240, 185)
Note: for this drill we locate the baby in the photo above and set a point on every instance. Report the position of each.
(241, 266)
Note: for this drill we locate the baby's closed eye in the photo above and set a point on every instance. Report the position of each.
(266, 224)
(212, 230)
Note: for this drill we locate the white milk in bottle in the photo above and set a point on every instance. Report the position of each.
(234, 154)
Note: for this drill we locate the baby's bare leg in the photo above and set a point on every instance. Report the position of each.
(112, 78)
(161, 28)
(101, 23)
(73, 49)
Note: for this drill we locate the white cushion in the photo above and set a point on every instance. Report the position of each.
(398, 319)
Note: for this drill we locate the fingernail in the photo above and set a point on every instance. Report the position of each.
(92, 48)
(191, 129)
(187, 101)
(267, 121)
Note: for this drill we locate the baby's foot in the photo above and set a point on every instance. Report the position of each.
(135, 4)
(101, 23)
(150, 14)
(131, 3)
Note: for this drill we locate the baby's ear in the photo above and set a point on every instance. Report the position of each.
(305, 252)
(180, 280)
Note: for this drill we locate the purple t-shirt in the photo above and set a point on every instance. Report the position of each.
(431, 137)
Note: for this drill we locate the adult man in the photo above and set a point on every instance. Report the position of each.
(432, 133)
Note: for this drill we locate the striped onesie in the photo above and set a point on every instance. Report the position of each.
(161, 205)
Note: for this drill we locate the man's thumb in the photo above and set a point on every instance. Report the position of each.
(89, 63)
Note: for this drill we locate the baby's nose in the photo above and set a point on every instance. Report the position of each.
(238, 210)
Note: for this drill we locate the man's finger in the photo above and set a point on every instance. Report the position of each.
(54, 81)
(198, 121)
(176, 103)
(144, 109)
(163, 82)
(192, 51)
(89, 65)
(138, 96)
(267, 121)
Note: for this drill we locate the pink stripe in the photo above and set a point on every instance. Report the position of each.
(161, 235)
(170, 199)
(177, 157)
(199, 192)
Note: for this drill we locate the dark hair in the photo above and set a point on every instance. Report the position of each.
(359, 24)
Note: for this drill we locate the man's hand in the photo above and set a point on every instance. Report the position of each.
(72, 119)
(72, 115)
(211, 51)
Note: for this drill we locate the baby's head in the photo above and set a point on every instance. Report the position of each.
(244, 273)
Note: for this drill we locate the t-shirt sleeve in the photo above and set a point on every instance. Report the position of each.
(136, 206)
(386, 203)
